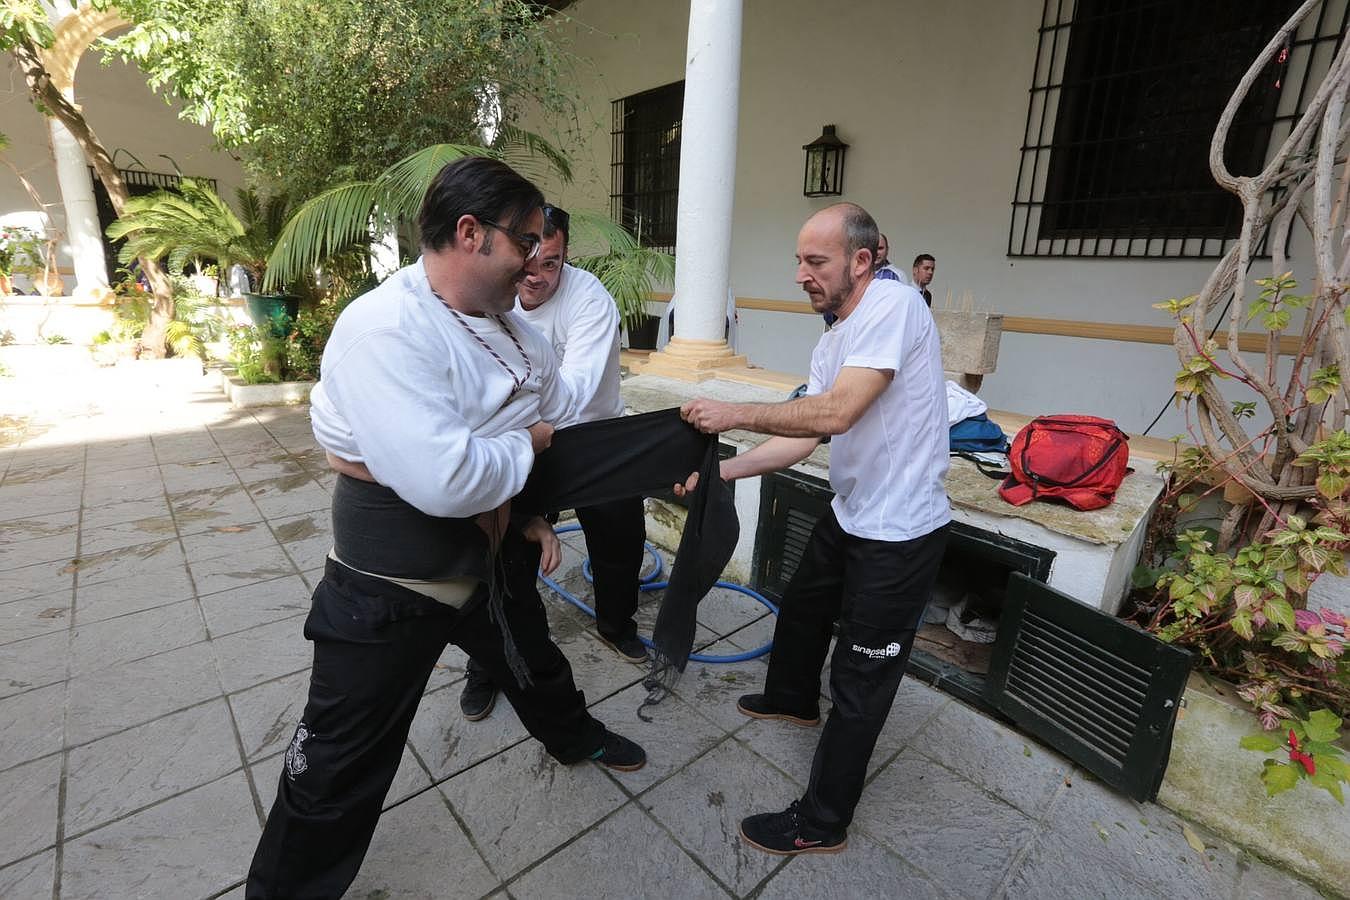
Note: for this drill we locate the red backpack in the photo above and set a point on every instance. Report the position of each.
(1079, 460)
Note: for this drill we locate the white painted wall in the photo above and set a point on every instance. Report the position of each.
(125, 115)
(932, 98)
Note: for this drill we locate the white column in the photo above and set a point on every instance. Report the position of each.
(712, 87)
(77, 195)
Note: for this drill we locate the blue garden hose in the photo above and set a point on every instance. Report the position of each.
(649, 583)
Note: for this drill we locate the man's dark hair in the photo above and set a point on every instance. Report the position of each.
(556, 219)
(475, 186)
(860, 230)
(924, 257)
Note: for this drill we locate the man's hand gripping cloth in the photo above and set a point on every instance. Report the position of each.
(642, 455)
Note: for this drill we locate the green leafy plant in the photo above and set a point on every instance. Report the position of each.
(20, 250)
(196, 222)
(341, 217)
(1313, 755)
(196, 320)
(57, 339)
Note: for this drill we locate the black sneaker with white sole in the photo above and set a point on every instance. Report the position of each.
(757, 706)
(620, 754)
(787, 834)
(478, 697)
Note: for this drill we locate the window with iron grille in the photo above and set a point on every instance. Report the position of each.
(1124, 101)
(138, 183)
(645, 172)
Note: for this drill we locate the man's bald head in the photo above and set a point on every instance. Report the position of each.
(856, 227)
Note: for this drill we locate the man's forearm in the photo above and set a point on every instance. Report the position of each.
(805, 417)
(774, 454)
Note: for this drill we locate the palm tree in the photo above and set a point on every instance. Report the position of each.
(195, 222)
(345, 215)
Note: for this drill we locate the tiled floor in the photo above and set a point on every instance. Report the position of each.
(156, 554)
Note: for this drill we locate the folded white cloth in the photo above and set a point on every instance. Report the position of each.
(962, 404)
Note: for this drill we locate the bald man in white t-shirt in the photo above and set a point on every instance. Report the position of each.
(876, 385)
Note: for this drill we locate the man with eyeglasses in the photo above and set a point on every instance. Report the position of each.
(580, 319)
(434, 399)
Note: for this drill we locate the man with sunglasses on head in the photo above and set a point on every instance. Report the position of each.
(433, 401)
(581, 320)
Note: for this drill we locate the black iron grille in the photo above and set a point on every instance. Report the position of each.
(1094, 694)
(645, 167)
(138, 183)
(1124, 101)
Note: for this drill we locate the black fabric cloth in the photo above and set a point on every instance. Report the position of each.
(877, 591)
(633, 456)
(375, 644)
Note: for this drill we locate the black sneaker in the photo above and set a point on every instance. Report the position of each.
(478, 697)
(757, 707)
(620, 754)
(786, 834)
(630, 648)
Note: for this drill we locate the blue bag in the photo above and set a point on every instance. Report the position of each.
(977, 434)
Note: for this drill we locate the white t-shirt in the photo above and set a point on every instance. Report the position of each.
(581, 320)
(407, 390)
(887, 471)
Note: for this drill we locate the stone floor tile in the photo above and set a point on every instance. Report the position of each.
(931, 816)
(864, 869)
(792, 747)
(144, 472)
(121, 511)
(101, 462)
(252, 468)
(234, 570)
(24, 501)
(1258, 881)
(999, 759)
(213, 541)
(1053, 868)
(914, 707)
(703, 804)
(123, 772)
(33, 662)
(198, 475)
(132, 593)
(213, 506)
(419, 851)
(290, 496)
(186, 448)
(97, 645)
(674, 736)
(136, 692)
(33, 616)
(37, 580)
(69, 471)
(448, 743)
(449, 669)
(268, 713)
(28, 799)
(551, 805)
(38, 550)
(599, 865)
(312, 577)
(598, 671)
(255, 604)
(1143, 840)
(31, 877)
(260, 654)
(99, 494)
(193, 845)
(31, 723)
(725, 611)
(309, 553)
(646, 624)
(303, 527)
(410, 779)
(713, 688)
(21, 530)
(103, 538)
(120, 563)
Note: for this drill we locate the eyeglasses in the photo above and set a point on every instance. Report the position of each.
(529, 243)
(556, 217)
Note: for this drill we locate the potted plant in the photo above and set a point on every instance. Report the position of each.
(196, 222)
(20, 251)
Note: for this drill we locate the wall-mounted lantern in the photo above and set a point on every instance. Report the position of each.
(824, 165)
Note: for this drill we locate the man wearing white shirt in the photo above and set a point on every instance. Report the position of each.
(433, 401)
(575, 313)
(876, 385)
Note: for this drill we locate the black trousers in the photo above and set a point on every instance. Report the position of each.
(615, 533)
(877, 590)
(375, 645)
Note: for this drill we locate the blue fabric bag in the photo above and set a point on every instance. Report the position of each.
(977, 434)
